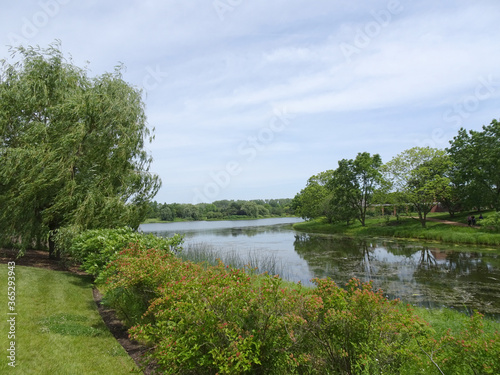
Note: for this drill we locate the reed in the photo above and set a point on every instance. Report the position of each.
(253, 261)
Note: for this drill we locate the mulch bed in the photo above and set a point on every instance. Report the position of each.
(40, 259)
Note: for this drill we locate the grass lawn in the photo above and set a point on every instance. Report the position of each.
(408, 228)
(58, 329)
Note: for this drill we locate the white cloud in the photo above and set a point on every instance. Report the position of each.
(211, 84)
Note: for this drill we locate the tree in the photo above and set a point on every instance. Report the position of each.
(166, 213)
(153, 210)
(354, 183)
(313, 200)
(476, 158)
(419, 177)
(250, 208)
(71, 148)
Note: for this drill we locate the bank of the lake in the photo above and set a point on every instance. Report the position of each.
(408, 228)
(228, 218)
(418, 272)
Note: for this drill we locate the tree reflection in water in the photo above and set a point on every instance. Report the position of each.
(423, 275)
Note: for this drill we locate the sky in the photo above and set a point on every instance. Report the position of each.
(248, 99)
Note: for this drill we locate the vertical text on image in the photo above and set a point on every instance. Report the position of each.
(11, 313)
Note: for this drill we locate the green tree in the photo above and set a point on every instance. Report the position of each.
(476, 158)
(419, 177)
(166, 213)
(313, 201)
(153, 210)
(250, 208)
(354, 183)
(71, 149)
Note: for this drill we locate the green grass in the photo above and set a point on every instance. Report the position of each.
(58, 327)
(407, 228)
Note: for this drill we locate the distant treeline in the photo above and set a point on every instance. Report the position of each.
(220, 210)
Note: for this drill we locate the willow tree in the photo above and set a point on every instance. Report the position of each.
(71, 149)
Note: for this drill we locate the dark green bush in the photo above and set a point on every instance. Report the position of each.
(94, 249)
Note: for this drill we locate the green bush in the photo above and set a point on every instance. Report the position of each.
(201, 319)
(207, 320)
(492, 221)
(94, 249)
(217, 319)
(468, 350)
(357, 330)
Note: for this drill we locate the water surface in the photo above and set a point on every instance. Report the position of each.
(421, 274)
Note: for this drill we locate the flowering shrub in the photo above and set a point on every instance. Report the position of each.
(201, 319)
(469, 351)
(357, 330)
(207, 320)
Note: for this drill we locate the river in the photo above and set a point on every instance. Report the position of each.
(429, 275)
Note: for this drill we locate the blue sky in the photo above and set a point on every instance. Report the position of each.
(250, 98)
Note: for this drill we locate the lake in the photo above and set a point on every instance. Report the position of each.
(429, 275)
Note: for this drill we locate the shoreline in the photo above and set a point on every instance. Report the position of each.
(437, 230)
(159, 221)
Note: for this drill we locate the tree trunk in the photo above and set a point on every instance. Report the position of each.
(53, 253)
(422, 217)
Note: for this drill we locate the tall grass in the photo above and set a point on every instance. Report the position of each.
(253, 261)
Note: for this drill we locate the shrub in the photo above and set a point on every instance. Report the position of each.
(220, 319)
(132, 280)
(201, 319)
(357, 330)
(492, 222)
(207, 319)
(94, 249)
(472, 350)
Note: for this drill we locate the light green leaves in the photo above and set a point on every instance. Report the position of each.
(72, 148)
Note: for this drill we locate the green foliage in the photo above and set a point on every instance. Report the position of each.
(207, 320)
(492, 221)
(419, 176)
(217, 319)
(353, 185)
(357, 330)
(94, 249)
(468, 350)
(221, 210)
(72, 149)
(476, 155)
(472, 349)
(463, 177)
(314, 200)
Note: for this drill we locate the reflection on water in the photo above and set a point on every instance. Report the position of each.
(416, 273)
(419, 274)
